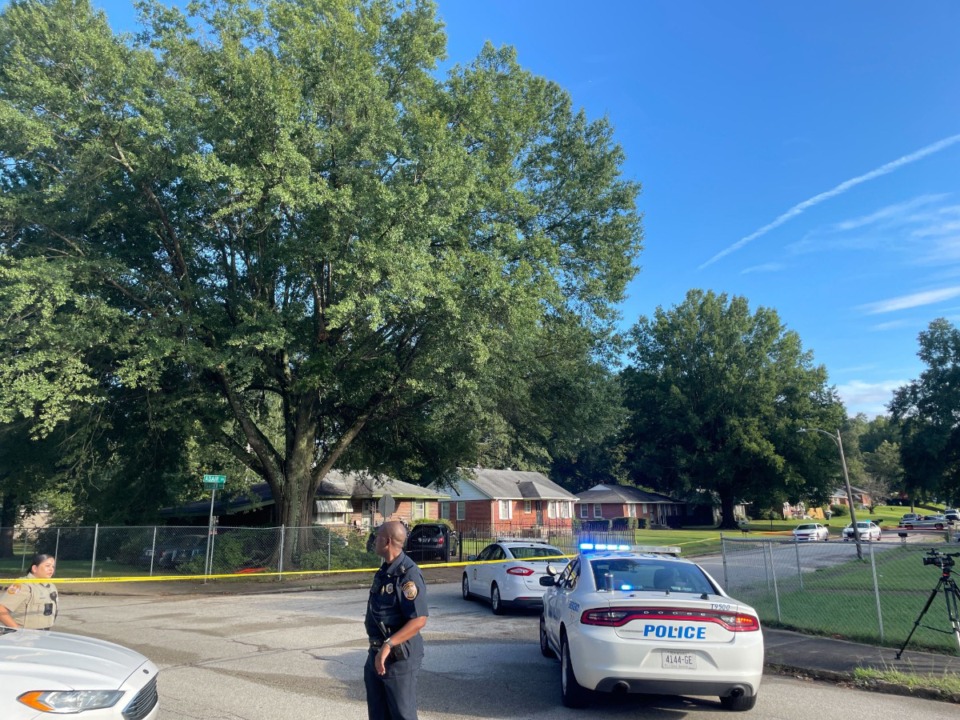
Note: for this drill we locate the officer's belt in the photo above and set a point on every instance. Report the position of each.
(375, 643)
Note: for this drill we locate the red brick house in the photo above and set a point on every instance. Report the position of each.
(501, 502)
(605, 502)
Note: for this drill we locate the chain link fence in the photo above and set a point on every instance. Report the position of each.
(824, 588)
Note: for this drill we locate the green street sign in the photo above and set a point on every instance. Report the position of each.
(216, 481)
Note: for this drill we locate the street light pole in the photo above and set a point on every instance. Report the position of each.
(846, 478)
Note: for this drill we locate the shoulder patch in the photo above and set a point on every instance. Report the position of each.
(410, 590)
(13, 590)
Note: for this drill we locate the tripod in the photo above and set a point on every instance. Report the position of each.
(951, 593)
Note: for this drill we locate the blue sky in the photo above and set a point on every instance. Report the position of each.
(803, 155)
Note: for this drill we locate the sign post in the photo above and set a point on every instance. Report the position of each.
(211, 483)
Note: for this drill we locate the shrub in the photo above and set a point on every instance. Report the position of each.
(839, 510)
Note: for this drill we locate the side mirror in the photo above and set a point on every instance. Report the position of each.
(471, 557)
(548, 581)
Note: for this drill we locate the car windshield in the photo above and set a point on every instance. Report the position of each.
(427, 531)
(627, 574)
(535, 551)
(806, 527)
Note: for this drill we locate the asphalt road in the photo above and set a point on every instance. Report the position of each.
(289, 656)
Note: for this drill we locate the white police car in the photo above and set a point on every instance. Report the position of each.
(640, 620)
(507, 573)
(45, 674)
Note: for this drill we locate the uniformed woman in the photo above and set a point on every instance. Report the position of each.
(396, 613)
(33, 604)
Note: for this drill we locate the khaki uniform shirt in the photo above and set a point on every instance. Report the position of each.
(31, 605)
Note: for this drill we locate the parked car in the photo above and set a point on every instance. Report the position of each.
(811, 532)
(181, 550)
(51, 672)
(508, 572)
(926, 522)
(631, 622)
(952, 515)
(909, 517)
(432, 541)
(867, 530)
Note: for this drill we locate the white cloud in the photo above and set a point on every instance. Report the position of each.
(896, 213)
(892, 325)
(834, 192)
(869, 398)
(766, 267)
(904, 302)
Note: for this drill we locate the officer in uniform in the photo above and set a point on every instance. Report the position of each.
(396, 613)
(34, 604)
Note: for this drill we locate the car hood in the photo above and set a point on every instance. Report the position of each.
(60, 661)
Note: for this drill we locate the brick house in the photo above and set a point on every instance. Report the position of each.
(498, 502)
(605, 502)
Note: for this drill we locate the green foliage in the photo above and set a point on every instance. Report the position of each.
(229, 556)
(839, 511)
(716, 396)
(272, 227)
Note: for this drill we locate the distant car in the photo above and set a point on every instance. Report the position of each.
(934, 522)
(432, 541)
(181, 550)
(508, 572)
(628, 621)
(46, 673)
(867, 530)
(952, 515)
(811, 532)
(909, 517)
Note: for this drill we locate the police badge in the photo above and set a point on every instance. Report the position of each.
(410, 590)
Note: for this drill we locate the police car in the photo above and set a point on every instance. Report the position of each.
(640, 620)
(507, 573)
(48, 674)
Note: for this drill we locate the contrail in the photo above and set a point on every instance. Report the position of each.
(839, 189)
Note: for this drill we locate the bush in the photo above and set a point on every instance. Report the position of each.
(839, 510)
(228, 557)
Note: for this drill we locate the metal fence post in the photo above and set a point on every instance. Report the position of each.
(56, 547)
(876, 589)
(23, 539)
(93, 559)
(153, 549)
(280, 564)
(776, 590)
(328, 551)
(723, 554)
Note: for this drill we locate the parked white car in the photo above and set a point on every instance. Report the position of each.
(508, 572)
(50, 672)
(867, 530)
(639, 622)
(811, 532)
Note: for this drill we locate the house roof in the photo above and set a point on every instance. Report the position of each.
(623, 494)
(513, 485)
(335, 486)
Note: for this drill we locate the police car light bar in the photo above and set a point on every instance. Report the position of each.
(644, 549)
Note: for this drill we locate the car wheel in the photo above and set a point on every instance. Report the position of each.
(465, 587)
(939, 526)
(738, 704)
(573, 694)
(496, 604)
(545, 648)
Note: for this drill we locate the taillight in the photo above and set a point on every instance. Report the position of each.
(618, 617)
(524, 571)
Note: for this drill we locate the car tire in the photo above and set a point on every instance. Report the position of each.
(545, 648)
(939, 526)
(496, 603)
(465, 588)
(738, 704)
(573, 694)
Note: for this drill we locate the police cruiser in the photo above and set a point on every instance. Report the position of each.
(641, 620)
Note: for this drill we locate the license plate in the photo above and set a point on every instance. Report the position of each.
(679, 661)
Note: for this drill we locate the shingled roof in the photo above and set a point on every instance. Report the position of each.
(619, 494)
(513, 485)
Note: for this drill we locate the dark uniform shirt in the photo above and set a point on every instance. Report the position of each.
(398, 594)
(31, 605)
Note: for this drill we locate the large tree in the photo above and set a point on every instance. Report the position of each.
(928, 410)
(716, 396)
(278, 222)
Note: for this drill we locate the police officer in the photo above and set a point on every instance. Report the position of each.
(396, 613)
(34, 604)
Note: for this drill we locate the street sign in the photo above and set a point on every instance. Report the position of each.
(387, 505)
(214, 482)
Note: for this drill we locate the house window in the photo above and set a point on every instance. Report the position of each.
(445, 510)
(527, 507)
(506, 510)
(419, 509)
(461, 510)
(631, 510)
(551, 509)
(597, 510)
(584, 511)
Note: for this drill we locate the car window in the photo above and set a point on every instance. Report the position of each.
(640, 574)
(571, 573)
(533, 551)
(806, 527)
(498, 553)
(487, 552)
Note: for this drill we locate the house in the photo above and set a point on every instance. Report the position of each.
(605, 502)
(861, 497)
(357, 499)
(498, 502)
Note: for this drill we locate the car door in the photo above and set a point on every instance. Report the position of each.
(557, 600)
(487, 573)
(479, 572)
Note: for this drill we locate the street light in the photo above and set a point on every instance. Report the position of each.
(846, 477)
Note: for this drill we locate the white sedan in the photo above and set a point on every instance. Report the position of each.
(51, 673)
(811, 532)
(508, 571)
(866, 529)
(627, 621)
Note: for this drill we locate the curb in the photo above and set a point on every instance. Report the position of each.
(879, 686)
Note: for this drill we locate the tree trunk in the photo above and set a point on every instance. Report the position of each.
(8, 521)
(727, 503)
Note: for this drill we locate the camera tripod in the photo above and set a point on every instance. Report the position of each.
(951, 593)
